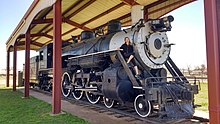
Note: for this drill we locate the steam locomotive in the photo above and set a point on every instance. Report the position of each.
(95, 68)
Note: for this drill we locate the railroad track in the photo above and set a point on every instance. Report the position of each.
(126, 113)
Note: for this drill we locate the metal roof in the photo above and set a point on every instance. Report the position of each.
(79, 15)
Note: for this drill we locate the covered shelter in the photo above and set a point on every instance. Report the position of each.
(55, 21)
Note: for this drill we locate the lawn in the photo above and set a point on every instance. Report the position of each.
(16, 110)
(202, 98)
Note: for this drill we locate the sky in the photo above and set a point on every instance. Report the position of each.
(188, 32)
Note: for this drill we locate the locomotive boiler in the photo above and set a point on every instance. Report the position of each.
(95, 68)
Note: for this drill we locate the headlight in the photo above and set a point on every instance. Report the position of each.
(163, 24)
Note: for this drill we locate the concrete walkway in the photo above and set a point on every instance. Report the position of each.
(91, 115)
(88, 114)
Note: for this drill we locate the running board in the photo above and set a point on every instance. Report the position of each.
(86, 89)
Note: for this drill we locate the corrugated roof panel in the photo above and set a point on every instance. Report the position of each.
(37, 28)
(66, 27)
(43, 40)
(47, 28)
(113, 15)
(32, 47)
(93, 10)
(65, 5)
(82, 11)
(73, 33)
(162, 5)
(126, 22)
(82, 2)
(145, 2)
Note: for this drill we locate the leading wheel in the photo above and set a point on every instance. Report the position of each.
(109, 103)
(142, 107)
(77, 93)
(66, 84)
(91, 96)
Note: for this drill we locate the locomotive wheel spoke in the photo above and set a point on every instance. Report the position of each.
(66, 81)
(109, 103)
(92, 98)
(77, 94)
(142, 107)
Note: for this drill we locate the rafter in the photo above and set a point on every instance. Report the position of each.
(37, 44)
(42, 21)
(32, 42)
(104, 13)
(76, 24)
(97, 17)
(71, 15)
(120, 18)
(48, 36)
(122, 24)
(44, 15)
(37, 35)
(130, 2)
(82, 26)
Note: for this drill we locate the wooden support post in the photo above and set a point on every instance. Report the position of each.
(8, 68)
(14, 66)
(57, 69)
(27, 63)
(212, 22)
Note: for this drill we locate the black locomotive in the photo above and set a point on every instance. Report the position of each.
(95, 67)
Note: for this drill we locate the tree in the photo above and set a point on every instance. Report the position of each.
(189, 69)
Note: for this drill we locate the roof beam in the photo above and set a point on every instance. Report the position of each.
(44, 15)
(75, 24)
(32, 42)
(81, 26)
(71, 30)
(122, 24)
(37, 44)
(120, 18)
(97, 17)
(48, 36)
(104, 13)
(64, 13)
(42, 21)
(38, 35)
(130, 2)
(80, 9)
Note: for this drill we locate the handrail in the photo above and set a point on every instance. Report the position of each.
(91, 54)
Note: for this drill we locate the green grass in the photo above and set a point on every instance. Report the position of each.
(16, 110)
(202, 98)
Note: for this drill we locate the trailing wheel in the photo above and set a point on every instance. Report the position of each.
(142, 107)
(91, 95)
(78, 84)
(109, 103)
(66, 85)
